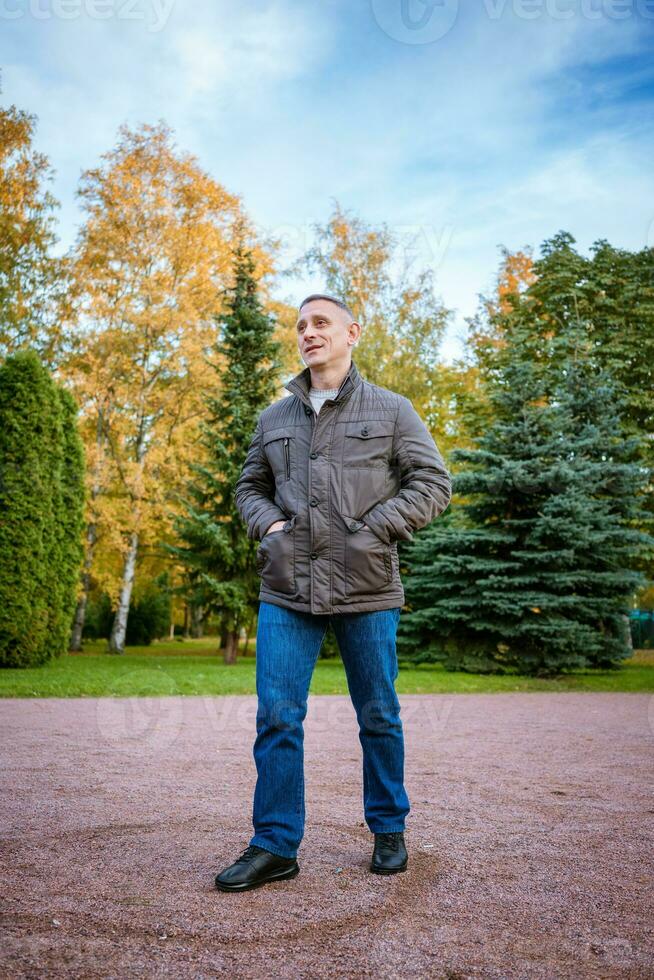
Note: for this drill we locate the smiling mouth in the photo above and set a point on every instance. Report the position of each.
(315, 347)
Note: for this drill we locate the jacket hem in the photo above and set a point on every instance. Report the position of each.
(390, 601)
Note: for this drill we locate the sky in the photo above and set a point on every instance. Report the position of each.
(464, 127)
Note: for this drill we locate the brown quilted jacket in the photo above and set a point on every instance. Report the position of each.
(349, 483)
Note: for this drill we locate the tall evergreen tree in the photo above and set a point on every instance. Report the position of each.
(535, 570)
(610, 296)
(41, 508)
(219, 558)
(68, 501)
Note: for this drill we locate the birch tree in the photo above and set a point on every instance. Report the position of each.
(150, 265)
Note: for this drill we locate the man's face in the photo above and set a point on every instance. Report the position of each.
(325, 334)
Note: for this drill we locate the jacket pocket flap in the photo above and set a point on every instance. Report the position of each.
(354, 525)
(279, 433)
(370, 430)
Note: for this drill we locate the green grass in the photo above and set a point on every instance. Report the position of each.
(193, 667)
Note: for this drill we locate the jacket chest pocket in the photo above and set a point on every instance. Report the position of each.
(279, 447)
(368, 444)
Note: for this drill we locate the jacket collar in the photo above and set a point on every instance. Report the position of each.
(301, 383)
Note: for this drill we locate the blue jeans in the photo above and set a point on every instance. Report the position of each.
(288, 644)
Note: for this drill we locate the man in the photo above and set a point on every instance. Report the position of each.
(334, 476)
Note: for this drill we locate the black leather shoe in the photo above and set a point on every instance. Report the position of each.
(389, 855)
(255, 867)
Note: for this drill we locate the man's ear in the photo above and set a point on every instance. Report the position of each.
(356, 339)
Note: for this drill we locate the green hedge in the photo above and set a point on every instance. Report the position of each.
(41, 512)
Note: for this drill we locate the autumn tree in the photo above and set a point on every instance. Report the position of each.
(402, 318)
(150, 266)
(486, 338)
(32, 279)
(486, 333)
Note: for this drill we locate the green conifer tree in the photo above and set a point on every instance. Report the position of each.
(215, 550)
(69, 489)
(535, 571)
(41, 505)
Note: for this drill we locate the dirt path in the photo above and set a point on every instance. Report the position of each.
(530, 842)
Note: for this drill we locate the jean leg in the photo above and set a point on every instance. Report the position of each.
(367, 645)
(287, 647)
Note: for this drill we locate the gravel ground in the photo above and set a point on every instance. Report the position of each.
(530, 841)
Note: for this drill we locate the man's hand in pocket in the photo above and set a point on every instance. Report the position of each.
(276, 526)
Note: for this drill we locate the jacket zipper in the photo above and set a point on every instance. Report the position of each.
(287, 457)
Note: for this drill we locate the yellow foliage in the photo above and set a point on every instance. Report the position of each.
(150, 267)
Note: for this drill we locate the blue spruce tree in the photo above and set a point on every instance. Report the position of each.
(536, 569)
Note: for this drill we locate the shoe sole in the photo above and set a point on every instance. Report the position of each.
(246, 886)
(388, 871)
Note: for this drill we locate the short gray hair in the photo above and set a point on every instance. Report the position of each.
(331, 299)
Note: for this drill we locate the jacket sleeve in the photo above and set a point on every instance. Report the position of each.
(426, 488)
(255, 490)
